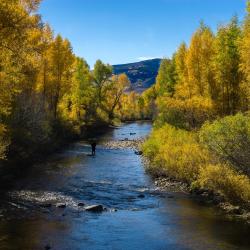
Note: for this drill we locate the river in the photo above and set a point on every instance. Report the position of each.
(138, 216)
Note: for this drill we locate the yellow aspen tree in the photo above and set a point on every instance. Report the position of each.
(199, 60)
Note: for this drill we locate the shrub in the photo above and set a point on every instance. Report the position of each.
(175, 152)
(229, 139)
(221, 178)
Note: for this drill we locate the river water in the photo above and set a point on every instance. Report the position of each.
(116, 179)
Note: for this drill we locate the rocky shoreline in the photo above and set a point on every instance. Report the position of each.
(204, 196)
(134, 144)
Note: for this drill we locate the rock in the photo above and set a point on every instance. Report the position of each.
(138, 152)
(132, 133)
(135, 209)
(61, 205)
(170, 196)
(237, 211)
(217, 199)
(94, 208)
(81, 204)
(125, 139)
(230, 209)
(141, 196)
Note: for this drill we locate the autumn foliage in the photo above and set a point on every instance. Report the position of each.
(201, 131)
(47, 94)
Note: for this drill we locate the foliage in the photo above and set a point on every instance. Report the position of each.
(165, 80)
(119, 84)
(186, 114)
(211, 81)
(47, 93)
(175, 152)
(229, 139)
(227, 68)
(245, 61)
(199, 61)
(221, 178)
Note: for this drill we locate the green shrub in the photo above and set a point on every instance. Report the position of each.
(229, 139)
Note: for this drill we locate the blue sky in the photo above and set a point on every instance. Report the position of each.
(122, 31)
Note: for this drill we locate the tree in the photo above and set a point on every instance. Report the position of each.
(166, 78)
(61, 59)
(44, 75)
(245, 61)
(19, 29)
(227, 67)
(83, 92)
(198, 61)
(116, 88)
(101, 75)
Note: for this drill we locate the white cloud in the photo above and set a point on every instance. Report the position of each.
(144, 58)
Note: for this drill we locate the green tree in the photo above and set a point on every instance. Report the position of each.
(166, 78)
(83, 92)
(227, 67)
(101, 75)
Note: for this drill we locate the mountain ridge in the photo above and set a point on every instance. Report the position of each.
(141, 74)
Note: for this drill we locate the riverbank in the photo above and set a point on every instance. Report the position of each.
(167, 184)
(204, 196)
(24, 155)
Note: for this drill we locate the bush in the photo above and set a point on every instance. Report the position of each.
(221, 178)
(175, 152)
(229, 139)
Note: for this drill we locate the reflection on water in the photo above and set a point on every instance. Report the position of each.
(145, 219)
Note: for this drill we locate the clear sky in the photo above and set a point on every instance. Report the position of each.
(122, 31)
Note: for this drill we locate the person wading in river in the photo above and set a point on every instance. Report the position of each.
(93, 147)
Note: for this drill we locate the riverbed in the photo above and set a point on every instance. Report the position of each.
(137, 215)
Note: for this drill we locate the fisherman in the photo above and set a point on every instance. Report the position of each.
(93, 146)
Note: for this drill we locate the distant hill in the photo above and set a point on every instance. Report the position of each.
(141, 74)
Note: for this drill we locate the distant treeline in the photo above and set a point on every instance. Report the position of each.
(202, 124)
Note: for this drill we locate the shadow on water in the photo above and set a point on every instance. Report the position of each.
(138, 215)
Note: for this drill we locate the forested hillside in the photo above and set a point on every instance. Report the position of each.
(142, 74)
(202, 98)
